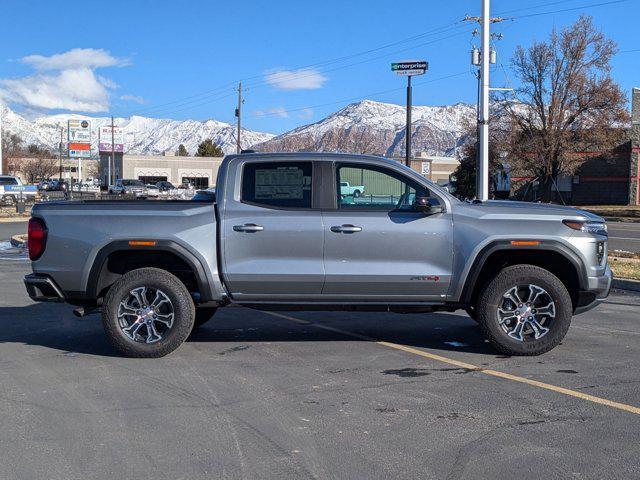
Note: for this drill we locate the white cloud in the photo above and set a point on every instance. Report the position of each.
(303, 79)
(132, 98)
(305, 113)
(65, 81)
(76, 58)
(277, 111)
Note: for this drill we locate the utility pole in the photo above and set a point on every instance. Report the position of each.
(483, 168)
(113, 152)
(407, 158)
(1, 162)
(239, 115)
(60, 154)
(483, 59)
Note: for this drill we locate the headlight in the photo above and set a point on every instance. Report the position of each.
(595, 228)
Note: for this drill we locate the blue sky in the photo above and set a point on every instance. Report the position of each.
(183, 59)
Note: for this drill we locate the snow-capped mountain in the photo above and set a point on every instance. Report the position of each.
(145, 136)
(362, 127)
(379, 128)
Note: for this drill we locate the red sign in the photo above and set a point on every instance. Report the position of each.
(79, 146)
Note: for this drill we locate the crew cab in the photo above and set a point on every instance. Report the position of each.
(277, 234)
(346, 189)
(12, 188)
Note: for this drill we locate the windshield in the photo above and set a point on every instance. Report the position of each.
(8, 181)
(132, 183)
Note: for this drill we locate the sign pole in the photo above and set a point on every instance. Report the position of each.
(409, 69)
(408, 126)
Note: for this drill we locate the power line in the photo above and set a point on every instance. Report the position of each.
(350, 99)
(582, 7)
(205, 93)
(533, 7)
(198, 102)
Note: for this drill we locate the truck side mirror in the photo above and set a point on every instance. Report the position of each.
(425, 205)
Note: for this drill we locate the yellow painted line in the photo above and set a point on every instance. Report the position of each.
(468, 366)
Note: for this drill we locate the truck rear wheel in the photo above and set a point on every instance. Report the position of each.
(147, 313)
(524, 310)
(203, 315)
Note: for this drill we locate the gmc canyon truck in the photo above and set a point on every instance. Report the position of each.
(278, 235)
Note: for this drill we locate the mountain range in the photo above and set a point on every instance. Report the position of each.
(362, 127)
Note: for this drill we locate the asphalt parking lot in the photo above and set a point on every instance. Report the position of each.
(315, 395)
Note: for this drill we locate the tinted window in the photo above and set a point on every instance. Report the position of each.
(376, 189)
(8, 181)
(277, 184)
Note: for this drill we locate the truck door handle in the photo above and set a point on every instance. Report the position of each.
(346, 229)
(248, 227)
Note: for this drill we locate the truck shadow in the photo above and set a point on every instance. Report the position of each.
(53, 326)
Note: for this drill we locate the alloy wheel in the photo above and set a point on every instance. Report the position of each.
(145, 315)
(526, 312)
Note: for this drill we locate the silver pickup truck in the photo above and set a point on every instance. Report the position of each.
(278, 234)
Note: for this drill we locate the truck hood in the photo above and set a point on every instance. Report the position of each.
(508, 207)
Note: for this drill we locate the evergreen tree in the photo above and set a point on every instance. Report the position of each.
(182, 151)
(209, 149)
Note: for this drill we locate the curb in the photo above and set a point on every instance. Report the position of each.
(622, 284)
(19, 241)
(23, 218)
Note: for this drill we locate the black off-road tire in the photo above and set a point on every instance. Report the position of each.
(471, 311)
(203, 315)
(183, 308)
(492, 296)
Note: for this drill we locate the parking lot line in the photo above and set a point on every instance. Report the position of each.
(468, 366)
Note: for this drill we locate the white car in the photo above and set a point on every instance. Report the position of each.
(128, 186)
(11, 188)
(346, 189)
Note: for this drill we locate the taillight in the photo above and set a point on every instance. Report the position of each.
(37, 238)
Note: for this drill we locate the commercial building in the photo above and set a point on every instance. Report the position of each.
(201, 172)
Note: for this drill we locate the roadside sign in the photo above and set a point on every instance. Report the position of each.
(426, 168)
(79, 150)
(79, 153)
(20, 188)
(414, 67)
(79, 131)
(104, 142)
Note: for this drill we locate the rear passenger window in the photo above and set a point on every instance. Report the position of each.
(277, 184)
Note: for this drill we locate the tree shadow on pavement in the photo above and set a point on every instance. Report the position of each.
(54, 326)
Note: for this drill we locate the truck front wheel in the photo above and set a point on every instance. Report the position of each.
(524, 310)
(147, 313)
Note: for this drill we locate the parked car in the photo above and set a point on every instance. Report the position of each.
(129, 187)
(278, 234)
(152, 190)
(347, 189)
(54, 185)
(12, 188)
(207, 195)
(165, 186)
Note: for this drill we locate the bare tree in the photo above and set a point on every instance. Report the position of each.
(93, 168)
(568, 102)
(12, 152)
(36, 169)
